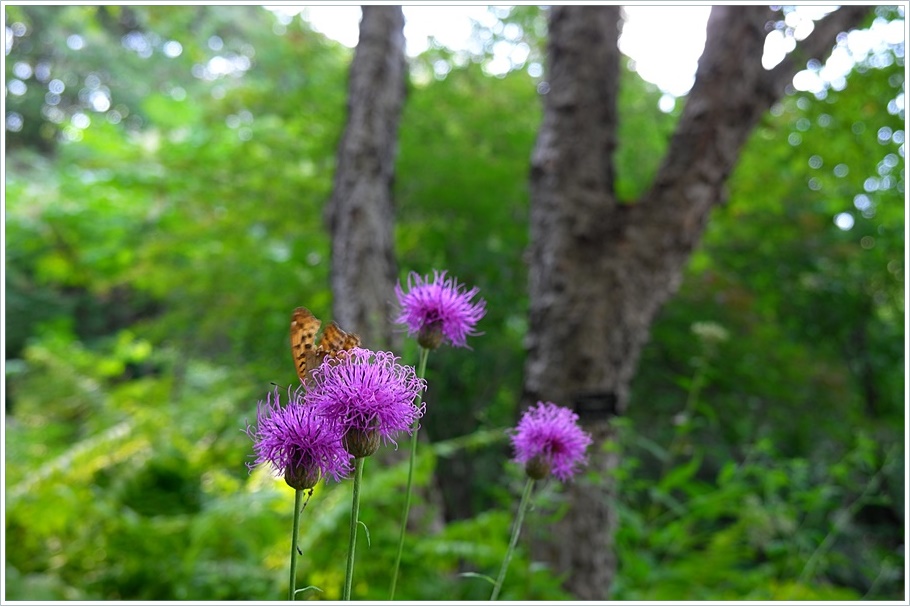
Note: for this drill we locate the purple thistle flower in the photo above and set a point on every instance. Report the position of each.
(437, 309)
(548, 438)
(368, 396)
(297, 442)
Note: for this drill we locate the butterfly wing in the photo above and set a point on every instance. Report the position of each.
(304, 326)
(334, 340)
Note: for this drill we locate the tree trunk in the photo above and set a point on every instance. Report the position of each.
(361, 213)
(600, 270)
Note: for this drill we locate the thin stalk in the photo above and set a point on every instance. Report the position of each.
(699, 378)
(421, 372)
(355, 513)
(516, 530)
(840, 522)
(292, 586)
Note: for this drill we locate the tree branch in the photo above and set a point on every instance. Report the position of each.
(817, 45)
(732, 92)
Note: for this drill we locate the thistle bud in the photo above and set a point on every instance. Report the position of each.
(537, 468)
(430, 335)
(301, 477)
(361, 443)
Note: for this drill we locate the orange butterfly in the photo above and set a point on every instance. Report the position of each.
(307, 355)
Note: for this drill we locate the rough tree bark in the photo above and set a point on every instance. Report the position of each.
(360, 212)
(600, 269)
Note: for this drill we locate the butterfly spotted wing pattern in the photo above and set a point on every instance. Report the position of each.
(307, 355)
(334, 340)
(304, 327)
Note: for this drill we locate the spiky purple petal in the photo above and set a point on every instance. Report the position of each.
(367, 391)
(295, 436)
(551, 435)
(442, 303)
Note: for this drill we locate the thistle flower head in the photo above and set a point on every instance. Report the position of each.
(368, 396)
(548, 440)
(439, 310)
(297, 442)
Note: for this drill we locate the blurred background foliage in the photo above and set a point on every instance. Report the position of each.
(166, 173)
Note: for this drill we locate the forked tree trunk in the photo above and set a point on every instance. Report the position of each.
(361, 213)
(600, 270)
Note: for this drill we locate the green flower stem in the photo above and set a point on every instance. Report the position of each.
(677, 444)
(298, 495)
(516, 530)
(355, 513)
(421, 371)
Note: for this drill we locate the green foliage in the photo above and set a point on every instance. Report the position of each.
(152, 260)
(764, 528)
(642, 137)
(185, 212)
(795, 419)
(135, 471)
